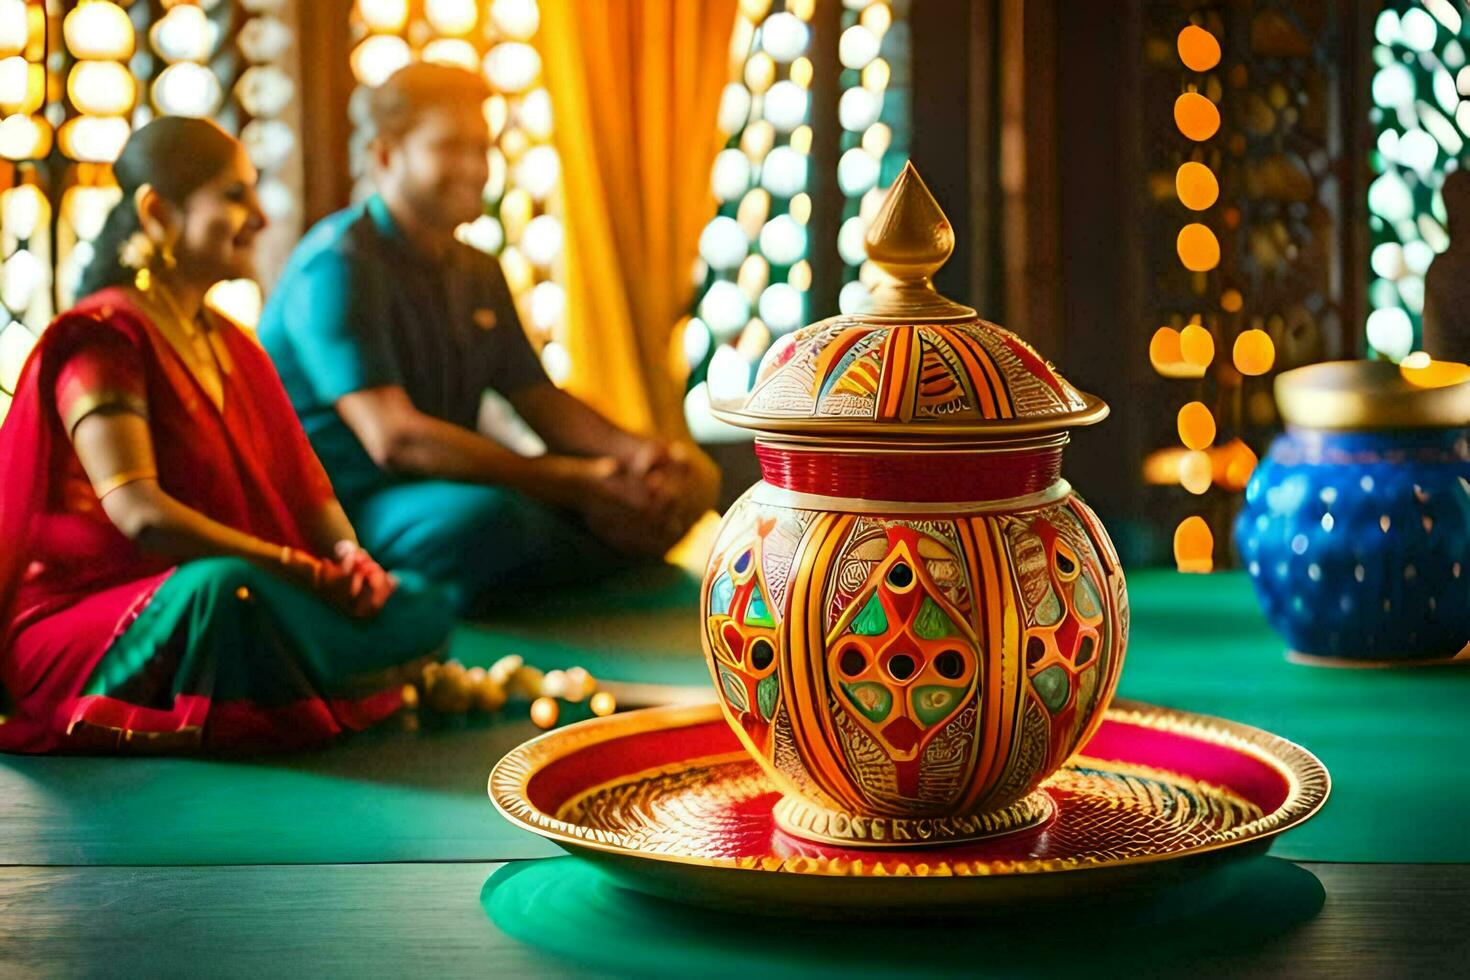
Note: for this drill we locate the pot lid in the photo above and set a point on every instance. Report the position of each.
(1356, 395)
(918, 363)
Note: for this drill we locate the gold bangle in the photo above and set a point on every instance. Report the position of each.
(121, 480)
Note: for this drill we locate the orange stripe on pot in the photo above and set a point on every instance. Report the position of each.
(804, 669)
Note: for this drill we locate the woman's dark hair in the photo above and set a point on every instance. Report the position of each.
(176, 155)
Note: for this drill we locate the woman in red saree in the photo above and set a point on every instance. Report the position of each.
(175, 571)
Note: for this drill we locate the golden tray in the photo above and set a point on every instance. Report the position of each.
(667, 801)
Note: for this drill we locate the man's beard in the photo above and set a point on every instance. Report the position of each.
(433, 208)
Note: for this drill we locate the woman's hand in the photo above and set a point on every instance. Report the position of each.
(370, 585)
(354, 583)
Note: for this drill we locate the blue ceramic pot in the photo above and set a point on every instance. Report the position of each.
(1358, 542)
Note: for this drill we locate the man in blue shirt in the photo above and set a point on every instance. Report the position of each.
(387, 330)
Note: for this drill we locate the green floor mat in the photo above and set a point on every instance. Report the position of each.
(379, 796)
(572, 910)
(652, 639)
(1393, 740)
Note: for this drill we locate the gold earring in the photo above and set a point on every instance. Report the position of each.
(137, 253)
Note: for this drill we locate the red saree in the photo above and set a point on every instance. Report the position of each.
(72, 587)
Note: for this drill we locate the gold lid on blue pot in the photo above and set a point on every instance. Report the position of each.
(1357, 395)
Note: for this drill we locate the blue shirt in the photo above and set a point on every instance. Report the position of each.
(359, 307)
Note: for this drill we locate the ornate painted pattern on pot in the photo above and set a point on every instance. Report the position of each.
(923, 666)
(962, 371)
(905, 668)
(1064, 642)
(743, 597)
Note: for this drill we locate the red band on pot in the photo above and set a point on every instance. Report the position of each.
(919, 476)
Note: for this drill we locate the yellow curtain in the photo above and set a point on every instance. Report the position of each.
(635, 87)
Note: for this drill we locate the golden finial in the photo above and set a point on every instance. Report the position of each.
(910, 239)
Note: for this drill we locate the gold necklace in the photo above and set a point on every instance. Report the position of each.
(195, 343)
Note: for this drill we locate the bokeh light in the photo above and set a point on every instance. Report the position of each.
(99, 30)
(1426, 373)
(1196, 116)
(1196, 426)
(1194, 546)
(1164, 349)
(1199, 249)
(1195, 471)
(1196, 185)
(1254, 353)
(1233, 464)
(1196, 346)
(1198, 48)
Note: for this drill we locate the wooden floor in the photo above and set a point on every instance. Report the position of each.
(427, 920)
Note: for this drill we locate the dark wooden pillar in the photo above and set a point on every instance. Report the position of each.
(325, 41)
(1352, 146)
(827, 203)
(1103, 337)
(942, 60)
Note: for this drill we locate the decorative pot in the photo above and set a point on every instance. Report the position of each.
(1356, 525)
(912, 620)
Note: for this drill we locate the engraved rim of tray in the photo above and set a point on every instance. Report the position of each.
(1308, 785)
